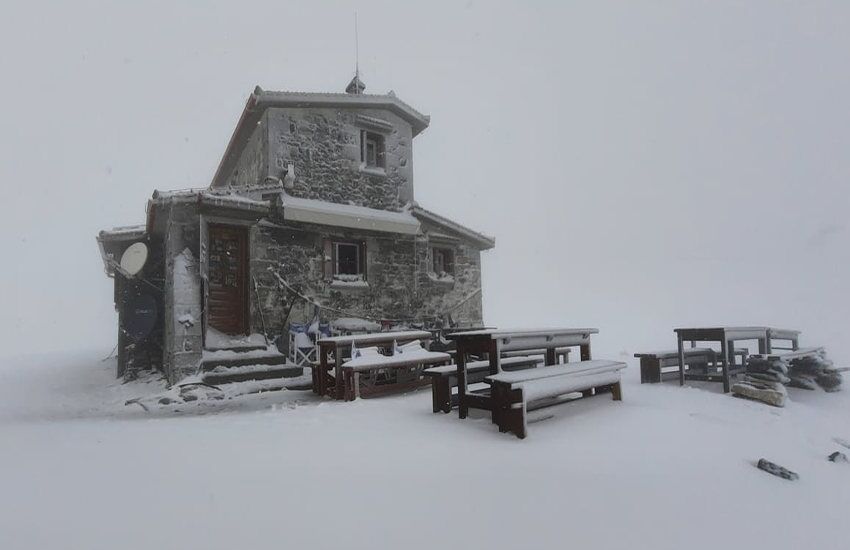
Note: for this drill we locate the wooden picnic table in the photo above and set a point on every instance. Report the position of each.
(494, 342)
(792, 336)
(726, 336)
(325, 383)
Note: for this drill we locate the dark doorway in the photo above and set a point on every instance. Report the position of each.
(228, 279)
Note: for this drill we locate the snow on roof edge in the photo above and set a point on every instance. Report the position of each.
(487, 241)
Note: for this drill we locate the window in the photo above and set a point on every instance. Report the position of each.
(347, 259)
(345, 263)
(443, 262)
(372, 153)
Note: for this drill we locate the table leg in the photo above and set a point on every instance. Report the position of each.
(681, 360)
(550, 357)
(724, 352)
(495, 368)
(462, 409)
(321, 376)
(339, 388)
(585, 352)
(765, 345)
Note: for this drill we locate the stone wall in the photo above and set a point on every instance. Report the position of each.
(182, 344)
(324, 147)
(252, 166)
(399, 284)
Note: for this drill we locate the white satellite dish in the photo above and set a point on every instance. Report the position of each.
(133, 259)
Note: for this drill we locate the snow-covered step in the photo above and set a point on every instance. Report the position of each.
(227, 374)
(234, 358)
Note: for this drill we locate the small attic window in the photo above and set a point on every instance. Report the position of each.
(372, 150)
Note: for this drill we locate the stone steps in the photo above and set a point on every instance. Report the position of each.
(227, 366)
(225, 375)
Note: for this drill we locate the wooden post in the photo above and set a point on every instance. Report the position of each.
(724, 352)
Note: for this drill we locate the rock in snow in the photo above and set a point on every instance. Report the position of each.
(837, 456)
(766, 377)
(777, 470)
(772, 393)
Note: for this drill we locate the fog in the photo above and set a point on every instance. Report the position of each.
(642, 167)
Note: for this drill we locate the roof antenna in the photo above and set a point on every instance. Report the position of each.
(356, 48)
(356, 85)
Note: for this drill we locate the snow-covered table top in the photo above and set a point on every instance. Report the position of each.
(503, 333)
(730, 333)
(526, 339)
(375, 337)
(418, 357)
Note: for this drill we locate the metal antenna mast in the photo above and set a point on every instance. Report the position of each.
(356, 48)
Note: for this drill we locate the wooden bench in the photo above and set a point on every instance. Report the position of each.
(562, 355)
(515, 393)
(652, 364)
(352, 370)
(444, 378)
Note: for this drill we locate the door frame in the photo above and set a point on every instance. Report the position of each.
(209, 223)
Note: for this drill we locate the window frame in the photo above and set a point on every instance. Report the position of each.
(380, 146)
(358, 264)
(448, 260)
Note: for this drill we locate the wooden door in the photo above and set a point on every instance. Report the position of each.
(228, 279)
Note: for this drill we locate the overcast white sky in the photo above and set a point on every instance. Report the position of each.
(643, 165)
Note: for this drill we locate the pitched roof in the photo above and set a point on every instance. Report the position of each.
(485, 242)
(261, 99)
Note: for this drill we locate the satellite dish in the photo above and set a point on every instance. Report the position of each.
(134, 258)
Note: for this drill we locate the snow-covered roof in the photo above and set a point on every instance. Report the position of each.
(261, 99)
(485, 242)
(212, 198)
(127, 232)
(346, 215)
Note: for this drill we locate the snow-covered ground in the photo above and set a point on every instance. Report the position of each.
(666, 468)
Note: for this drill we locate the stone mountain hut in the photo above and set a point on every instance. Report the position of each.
(310, 217)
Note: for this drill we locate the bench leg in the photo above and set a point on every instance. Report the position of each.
(617, 392)
(441, 395)
(512, 420)
(650, 371)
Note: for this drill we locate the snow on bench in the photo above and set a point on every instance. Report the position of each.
(541, 388)
(444, 378)
(568, 369)
(513, 391)
(652, 362)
